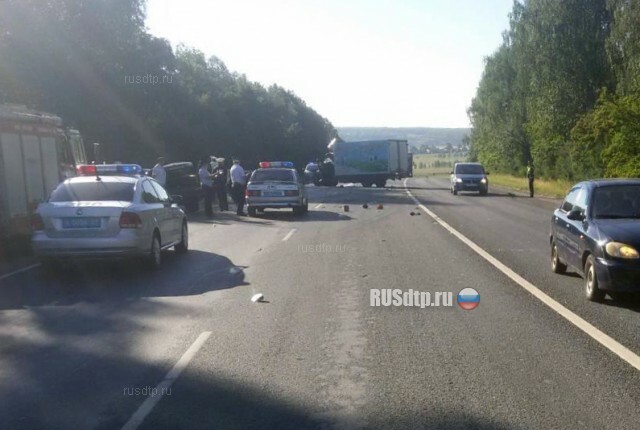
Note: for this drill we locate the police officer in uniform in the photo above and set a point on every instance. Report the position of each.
(238, 183)
(531, 176)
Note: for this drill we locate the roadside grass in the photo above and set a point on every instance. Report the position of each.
(543, 187)
(435, 164)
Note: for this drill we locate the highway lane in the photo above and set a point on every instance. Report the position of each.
(316, 355)
(515, 230)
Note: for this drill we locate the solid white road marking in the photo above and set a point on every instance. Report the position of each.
(288, 236)
(138, 417)
(15, 272)
(602, 338)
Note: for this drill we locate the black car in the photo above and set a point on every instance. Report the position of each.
(182, 180)
(597, 232)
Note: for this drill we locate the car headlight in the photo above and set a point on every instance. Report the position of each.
(458, 180)
(621, 250)
(483, 180)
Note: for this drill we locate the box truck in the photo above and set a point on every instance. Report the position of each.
(370, 162)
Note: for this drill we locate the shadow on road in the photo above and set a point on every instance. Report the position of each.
(624, 301)
(195, 273)
(313, 215)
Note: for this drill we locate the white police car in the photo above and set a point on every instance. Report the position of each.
(276, 185)
(109, 211)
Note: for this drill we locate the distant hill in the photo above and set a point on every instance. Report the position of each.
(418, 137)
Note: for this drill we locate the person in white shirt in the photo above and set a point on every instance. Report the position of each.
(206, 182)
(158, 172)
(238, 182)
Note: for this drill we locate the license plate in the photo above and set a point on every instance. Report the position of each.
(272, 193)
(80, 222)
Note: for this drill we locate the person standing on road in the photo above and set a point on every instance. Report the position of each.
(206, 182)
(220, 184)
(238, 183)
(531, 175)
(158, 172)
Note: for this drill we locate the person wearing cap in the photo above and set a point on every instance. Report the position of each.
(238, 183)
(158, 172)
(206, 182)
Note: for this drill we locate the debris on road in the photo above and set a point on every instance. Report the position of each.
(365, 206)
(412, 213)
(257, 298)
(380, 206)
(346, 208)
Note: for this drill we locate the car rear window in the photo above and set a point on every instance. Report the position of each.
(93, 191)
(469, 169)
(276, 175)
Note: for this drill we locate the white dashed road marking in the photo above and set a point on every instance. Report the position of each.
(288, 236)
(145, 409)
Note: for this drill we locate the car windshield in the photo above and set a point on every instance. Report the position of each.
(469, 169)
(620, 201)
(93, 191)
(275, 175)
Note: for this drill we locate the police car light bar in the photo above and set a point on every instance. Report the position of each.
(108, 169)
(267, 164)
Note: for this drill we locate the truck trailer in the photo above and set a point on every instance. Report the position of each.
(370, 162)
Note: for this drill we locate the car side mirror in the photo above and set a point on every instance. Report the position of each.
(487, 173)
(451, 172)
(576, 215)
(178, 200)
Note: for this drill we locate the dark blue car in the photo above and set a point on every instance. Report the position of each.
(597, 232)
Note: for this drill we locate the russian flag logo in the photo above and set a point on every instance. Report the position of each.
(468, 299)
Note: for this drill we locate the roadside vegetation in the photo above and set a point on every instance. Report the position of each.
(435, 164)
(95, 64)
(562, 90)
(556, 188)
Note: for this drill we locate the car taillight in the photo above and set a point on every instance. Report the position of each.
(252, 193)
(130, 220)
(291, 193)
(36, 222)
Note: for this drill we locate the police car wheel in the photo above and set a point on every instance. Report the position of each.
(183, 246)
(154, 258)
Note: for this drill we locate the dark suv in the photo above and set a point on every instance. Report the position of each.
(182, 180)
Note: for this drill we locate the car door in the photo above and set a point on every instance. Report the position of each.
(561, 224)
(155, 209)
(172, 212)
(575, 234)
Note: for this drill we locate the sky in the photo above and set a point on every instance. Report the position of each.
(375, 63)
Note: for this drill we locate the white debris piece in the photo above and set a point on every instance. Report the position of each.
(257, 298)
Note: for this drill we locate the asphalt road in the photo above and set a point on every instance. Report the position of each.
(86, 349)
